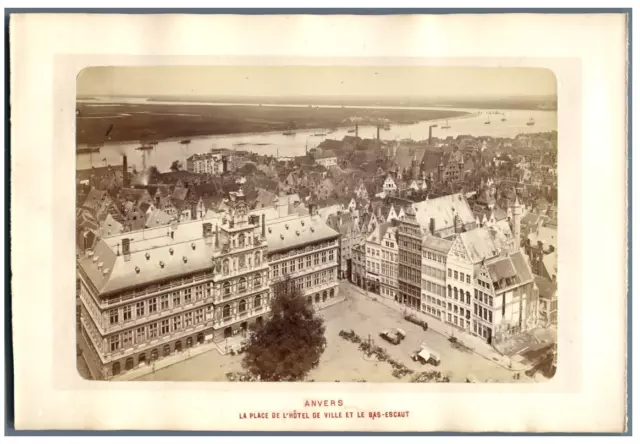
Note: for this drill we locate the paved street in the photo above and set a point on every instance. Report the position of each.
(342, 361)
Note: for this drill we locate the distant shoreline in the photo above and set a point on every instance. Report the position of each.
(543, 103)
(128, 122)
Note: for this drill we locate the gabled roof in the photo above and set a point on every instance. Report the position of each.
(508, 270)
(94, 199)
(442, 210)
(110, 227)
(479, 245)
(157, 218)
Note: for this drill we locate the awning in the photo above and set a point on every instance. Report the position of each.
(424, 354)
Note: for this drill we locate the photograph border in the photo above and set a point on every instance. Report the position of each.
(9, 424)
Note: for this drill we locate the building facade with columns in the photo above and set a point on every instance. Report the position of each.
(146, 295)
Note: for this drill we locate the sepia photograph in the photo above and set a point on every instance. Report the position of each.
(303, 223)
(317, 224)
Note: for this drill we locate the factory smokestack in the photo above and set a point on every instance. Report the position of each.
(356, 130)
(125, 172)
(430, 132)
(378, 133)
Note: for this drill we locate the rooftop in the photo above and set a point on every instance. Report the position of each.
(436, 244)
(442, 210)
(296, 232)
(547, 288)
(155, 254)
(547, 235)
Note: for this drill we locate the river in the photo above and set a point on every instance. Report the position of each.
(277, 144)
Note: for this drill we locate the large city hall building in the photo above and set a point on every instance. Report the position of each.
(148, 294)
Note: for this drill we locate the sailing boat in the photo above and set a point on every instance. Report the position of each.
(531, 122)
(446, 125)
(488, 121)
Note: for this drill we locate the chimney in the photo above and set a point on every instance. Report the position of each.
(430, 133)
(378, 133)
(126, 249)
(263, 225)
(432, 226)
(125, 173)
(356, 133)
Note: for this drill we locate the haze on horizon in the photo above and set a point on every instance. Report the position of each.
(317, 81)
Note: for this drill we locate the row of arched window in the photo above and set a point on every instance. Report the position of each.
(456, 294)
(242, 306)
(243, 284)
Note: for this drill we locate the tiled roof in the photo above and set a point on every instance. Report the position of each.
(110, 227)
(479, 244)
(550, 263)
(521, 266)
(296, 232)
(443, 209)
(157, 218)
(94, 199)
(547, 288)
(116, 274)
(509, 270)
(436, 244)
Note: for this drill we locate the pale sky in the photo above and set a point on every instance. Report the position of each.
(316, 80)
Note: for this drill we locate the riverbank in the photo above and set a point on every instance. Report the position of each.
(130, 122)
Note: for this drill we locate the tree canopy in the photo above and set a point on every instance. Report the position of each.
(289, 344)
(176, 165)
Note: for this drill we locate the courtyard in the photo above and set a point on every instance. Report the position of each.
(342, 361)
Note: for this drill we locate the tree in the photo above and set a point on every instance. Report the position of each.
(289, 344)
(176, 166)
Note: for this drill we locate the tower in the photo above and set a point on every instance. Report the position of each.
(516, 210)
(415, 168)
